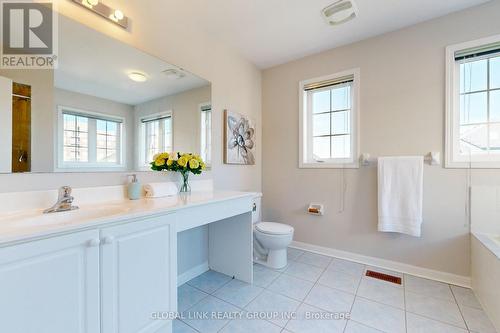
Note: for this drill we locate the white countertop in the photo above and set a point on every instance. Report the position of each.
(32, 224)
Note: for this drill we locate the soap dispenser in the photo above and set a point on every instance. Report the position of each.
(134, 188)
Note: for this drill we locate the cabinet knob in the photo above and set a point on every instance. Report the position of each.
(109, 240)
(94, 242)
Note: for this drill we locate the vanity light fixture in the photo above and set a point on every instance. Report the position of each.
(137, 76)
(90, 3)
(340, 12)
(174, 74)
(117, 15)
(113, 14)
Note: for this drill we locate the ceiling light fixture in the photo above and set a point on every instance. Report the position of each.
(137, 76)
(174, 74)
(340, 12)
(112, 14)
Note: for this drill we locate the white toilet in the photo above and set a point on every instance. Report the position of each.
(271, 240)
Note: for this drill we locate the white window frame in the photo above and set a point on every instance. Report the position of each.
(142, 164)
(62, 166)
(305, 125)
(452, 136)
(208, 163)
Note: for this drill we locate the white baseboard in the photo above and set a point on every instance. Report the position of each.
(459, 280)
(192, 273)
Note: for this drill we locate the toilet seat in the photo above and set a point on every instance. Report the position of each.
(272, 228)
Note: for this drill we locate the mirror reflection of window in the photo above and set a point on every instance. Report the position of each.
(90, 140)
(107, 141)
(158, 136)
(206, 133)
(75, 138)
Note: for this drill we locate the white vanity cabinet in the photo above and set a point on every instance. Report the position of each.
(138, 275)
(85, 272)
(51, 285)
(108, 280)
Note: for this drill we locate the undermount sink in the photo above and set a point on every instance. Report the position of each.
(37, 218)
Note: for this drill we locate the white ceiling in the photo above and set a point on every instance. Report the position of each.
(271, 32)
(94, 64)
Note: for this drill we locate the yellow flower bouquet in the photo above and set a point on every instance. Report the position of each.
(184, 163)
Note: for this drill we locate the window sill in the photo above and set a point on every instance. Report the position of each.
(82, 168)
(316, 165)
(472, 165)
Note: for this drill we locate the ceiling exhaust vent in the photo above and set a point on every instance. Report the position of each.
(340, 12)
(174, 74)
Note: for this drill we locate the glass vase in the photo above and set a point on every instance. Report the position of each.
(185, 187)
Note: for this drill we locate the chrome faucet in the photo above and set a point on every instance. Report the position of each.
(64, 202)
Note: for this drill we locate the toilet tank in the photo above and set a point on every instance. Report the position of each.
(256, 209)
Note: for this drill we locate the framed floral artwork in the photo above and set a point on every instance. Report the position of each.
(239, 139)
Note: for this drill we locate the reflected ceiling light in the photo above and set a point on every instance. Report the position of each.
(137, 76)
(174, 74)
(112, 14)
(340, 12)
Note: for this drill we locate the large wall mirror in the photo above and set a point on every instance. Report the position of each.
(107, 107)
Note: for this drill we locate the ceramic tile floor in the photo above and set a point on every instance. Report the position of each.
(323, 286)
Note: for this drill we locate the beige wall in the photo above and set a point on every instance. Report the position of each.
(167, 34)
(185, 114)
(402, 113)
(5, 124)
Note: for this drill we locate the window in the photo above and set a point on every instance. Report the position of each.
(88, 139)
(76, 133)
(473, 104)
(156, 136)
(107, 141)
(329, 119)
(206, 133)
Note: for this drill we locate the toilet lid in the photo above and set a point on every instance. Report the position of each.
(274, 228)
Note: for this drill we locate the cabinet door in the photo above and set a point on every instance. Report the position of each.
(139, 273)
(51, 285)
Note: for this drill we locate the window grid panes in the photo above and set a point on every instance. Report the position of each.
(331, 122)
(206, 133)
(480, 106)
(90, 140)
(75, 141)
(158, 137)
(107, 139)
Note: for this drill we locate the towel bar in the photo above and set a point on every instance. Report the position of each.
(432, 158)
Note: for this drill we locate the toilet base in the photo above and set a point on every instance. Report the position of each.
(276, 259)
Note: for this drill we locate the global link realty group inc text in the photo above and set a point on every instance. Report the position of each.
(249, 315)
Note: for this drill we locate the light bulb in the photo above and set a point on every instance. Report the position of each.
(118, 15)
(137, 76)
(91, 2)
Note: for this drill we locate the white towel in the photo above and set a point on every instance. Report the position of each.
(400, 194)
(158, 190)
